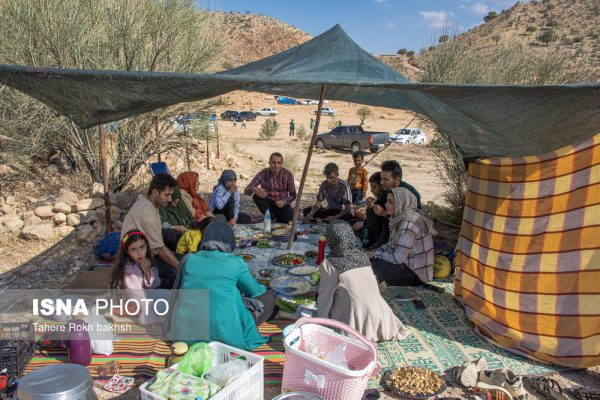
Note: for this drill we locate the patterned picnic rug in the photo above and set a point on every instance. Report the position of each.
(440, 338)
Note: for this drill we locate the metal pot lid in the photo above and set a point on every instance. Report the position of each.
(55, 382)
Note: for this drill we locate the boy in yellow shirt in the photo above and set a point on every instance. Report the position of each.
(358, 179)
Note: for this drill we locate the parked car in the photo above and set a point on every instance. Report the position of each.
(228, 114)
(309, 102)
(409, 135)
(246, 116)
(187, 120)
(267, 112)
(327, 111)
(352, 137)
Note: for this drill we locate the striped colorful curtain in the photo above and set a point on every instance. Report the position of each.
(528, 262)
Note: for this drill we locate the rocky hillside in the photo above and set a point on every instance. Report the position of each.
(566, 26)
(250, 37)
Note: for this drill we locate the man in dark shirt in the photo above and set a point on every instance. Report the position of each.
(274, 188)
(337, 194)
(377, 220)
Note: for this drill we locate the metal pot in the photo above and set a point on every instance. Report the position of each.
(297, 396)
(57, 382)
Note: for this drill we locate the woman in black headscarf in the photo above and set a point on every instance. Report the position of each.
(237, 302)
(348, 290)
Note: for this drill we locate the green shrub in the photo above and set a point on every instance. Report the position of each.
(531, 28)
(268, 129)
(548, 37)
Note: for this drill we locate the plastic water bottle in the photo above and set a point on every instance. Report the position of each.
(267, 226)
(365, 237)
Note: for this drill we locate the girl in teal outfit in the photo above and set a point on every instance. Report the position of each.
(233, 292)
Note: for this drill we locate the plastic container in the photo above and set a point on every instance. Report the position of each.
(57, 382)
(248, 386)
(17, 345)
(303, 372)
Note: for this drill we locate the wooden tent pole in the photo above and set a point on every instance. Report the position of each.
(313, 139)
(105, 177)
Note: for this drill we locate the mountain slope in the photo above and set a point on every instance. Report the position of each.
(570, 25)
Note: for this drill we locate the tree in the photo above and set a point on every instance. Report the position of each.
(131, 35)
(443, 38)
(402, 51)
(363, 113)
(411, 53)
(490, 16)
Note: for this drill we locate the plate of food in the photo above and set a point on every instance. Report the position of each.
(289, 260)
(291, 285)
(414, 382)
(262, 236)
(247, 257)
(303, 270)
(279, 227)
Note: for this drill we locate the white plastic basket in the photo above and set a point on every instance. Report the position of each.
(248, 386)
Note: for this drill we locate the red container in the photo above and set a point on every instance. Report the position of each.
(321, 253)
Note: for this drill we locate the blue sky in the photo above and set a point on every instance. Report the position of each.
(379, 26)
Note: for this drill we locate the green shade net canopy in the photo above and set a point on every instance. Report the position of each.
(483, 120)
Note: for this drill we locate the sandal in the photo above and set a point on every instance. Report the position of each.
(548, 387)
(467, 374)
(505, 379)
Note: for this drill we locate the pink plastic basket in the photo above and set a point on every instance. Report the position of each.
(306, 373)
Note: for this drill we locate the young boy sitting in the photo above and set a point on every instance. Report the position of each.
(357, 178)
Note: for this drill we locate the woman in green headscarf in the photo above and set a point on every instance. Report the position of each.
(176, 214)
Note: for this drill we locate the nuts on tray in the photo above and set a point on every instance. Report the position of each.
(414, 381)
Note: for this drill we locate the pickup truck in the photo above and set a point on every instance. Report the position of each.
(352, 137)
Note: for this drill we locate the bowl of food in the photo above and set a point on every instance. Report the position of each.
(283, 235)
(414, 382)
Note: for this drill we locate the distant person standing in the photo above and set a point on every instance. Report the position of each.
(312, 124)
(243, 123)
(292, 127)
(233, 120)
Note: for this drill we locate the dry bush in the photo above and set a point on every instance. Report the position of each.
(302, 133)
(131, 35)
(292, 162)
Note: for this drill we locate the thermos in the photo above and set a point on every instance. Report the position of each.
(80, 345)
(321, 253)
